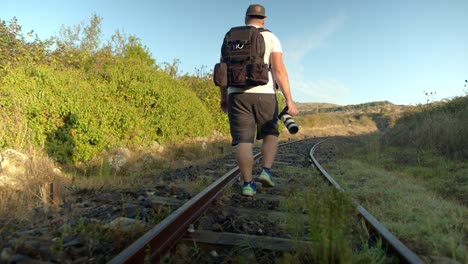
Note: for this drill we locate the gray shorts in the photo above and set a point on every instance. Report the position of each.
(250, 112)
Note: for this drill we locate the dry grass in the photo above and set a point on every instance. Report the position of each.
(141, 166)
(326, 131)
(413, 205)
(34, 190)
(13, 129)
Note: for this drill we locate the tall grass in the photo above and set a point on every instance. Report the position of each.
(332, 224)
(30, 192)
(335, 119)
(432, 144)
(14, 131)
(440, 128)
(414, 178)
(416, 214)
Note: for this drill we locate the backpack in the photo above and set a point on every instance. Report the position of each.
(242, 62)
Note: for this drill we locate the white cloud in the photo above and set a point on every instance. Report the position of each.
(323, 91)
(301, 45)
(305, 42)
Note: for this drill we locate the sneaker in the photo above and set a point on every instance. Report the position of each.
(249, 189)
(266, 179)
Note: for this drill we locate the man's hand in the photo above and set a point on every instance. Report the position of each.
(292, 109)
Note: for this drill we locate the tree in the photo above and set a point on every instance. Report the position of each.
(76, 45)
(16, 48)
(133, 49)
(85, 37)
(12, 44)
(172, 69)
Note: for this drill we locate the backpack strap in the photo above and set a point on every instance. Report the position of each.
(263, 29)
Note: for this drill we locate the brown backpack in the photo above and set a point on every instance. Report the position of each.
(242, 62)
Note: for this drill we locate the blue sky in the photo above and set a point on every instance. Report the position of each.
(342, 52)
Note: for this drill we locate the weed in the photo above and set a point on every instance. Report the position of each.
(158, 215)
(328, 227)
(105, 168)
(406, 204)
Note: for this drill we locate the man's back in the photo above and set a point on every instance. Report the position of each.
(272, 44)
(253, 113)
(243, 62)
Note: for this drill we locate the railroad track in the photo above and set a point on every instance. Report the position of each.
(219, 225)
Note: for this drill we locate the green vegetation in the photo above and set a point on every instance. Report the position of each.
(332, 224)
(364, 106)
(74, 97)
(438, 128)
(367, 117)
(414, 177)
(309, 108)
(407, 207)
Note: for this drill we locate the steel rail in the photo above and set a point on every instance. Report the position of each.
(404, 252)
(155, 243)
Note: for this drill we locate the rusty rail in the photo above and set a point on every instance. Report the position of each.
(404, 252)
(155, 243)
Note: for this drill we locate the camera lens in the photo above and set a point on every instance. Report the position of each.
(288, 121)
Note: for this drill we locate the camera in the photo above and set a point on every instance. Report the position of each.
(288, 121)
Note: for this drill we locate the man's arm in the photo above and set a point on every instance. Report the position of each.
(281, 76)
(223, 91)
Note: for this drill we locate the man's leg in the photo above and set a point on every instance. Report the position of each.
(244, 156)
(269, 149)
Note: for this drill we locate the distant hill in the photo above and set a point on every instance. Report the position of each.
(309, 108)
(314, 106)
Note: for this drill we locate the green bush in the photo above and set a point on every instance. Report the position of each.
(209, 94)
(75, 116)
(439, 128)
(81, 97)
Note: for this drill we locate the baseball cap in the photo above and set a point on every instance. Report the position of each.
(255, 10)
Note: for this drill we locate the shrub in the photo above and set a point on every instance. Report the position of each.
(80, 98)
(441, 128)
(75, 118)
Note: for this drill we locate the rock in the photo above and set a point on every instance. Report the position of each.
(217, 227)
(6, 255)
(157, 147)
(12, 165)
(12, 162)
(73, 241)
(120, 159)
(130, 210)
(57, 171)
(31, 245)
(18, 258)
(125, 224)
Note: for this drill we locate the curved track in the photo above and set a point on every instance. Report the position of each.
(212, 218)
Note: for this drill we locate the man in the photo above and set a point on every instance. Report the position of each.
(256, 108)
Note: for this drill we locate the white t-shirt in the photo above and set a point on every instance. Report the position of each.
(272, 44)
